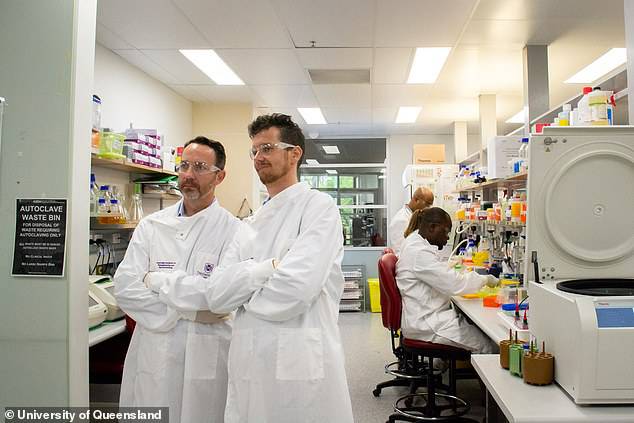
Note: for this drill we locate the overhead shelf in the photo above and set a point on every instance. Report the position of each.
(164, 196)
(123, 165)
(96, 226)
(518, 179)
(615, 82)
(472, 158)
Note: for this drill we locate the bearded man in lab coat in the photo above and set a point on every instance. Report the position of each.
(283, 275)
(177, 356)
(427, 283)
(422, 198)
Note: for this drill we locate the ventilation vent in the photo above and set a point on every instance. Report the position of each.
(339, 76)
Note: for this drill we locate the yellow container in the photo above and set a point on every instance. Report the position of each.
(375, 295)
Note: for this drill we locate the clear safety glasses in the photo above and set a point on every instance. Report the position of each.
(198, 168)
(266, 149)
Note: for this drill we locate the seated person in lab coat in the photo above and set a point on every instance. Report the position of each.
(178, 358)
(427, 284)
(422, 198)
(283, 275)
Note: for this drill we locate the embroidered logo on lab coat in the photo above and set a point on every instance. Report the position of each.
(207, 269)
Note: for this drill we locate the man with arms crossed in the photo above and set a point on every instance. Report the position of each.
(178, 358)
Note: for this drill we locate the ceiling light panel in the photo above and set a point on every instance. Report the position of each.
(608, 62)
(312, 162)
(331, 171)
(407, 114)
(427, 64)
(213, 66)
(312, 115)
(330, 149)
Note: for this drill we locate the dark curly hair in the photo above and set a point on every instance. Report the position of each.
(290, 132)
(221, 156)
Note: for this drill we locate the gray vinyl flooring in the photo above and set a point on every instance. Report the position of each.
(367, 346)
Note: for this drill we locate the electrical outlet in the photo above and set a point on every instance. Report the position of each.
(116, 238)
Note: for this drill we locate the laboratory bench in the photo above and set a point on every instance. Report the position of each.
(105, 331)
(524, 403)
(486, 318)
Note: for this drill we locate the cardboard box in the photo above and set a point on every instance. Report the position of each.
(429, 153)
(501, 150)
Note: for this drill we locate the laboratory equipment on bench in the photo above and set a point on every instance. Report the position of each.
(580, 245)
(103, 288)
(97, 311)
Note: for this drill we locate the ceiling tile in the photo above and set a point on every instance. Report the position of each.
(344, 95)
(110, 40)
(394, 96)
(236, 23)
(149, 24)
(225, 93)
(347, 116)
(179, 66)
(335, 58)
(265, 66)
(147, 65)
(329, 23)
(391, 65)
(548, 9)
(285, 95)
(190, 92)
(421, 23)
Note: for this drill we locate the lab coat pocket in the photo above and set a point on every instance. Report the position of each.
(300, 355)
(201, 356)
(153, 354)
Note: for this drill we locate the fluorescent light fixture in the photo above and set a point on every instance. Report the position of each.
(609, 61)
(331, 171)
(516, 118)
(382, 170)
(213, 66)
(312, 162)
(330, 149)
(312, 115)
(427, 64)
(381, 176)
(407, 114)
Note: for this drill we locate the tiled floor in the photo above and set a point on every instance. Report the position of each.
(367, 346)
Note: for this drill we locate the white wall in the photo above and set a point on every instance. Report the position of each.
(400, 148)
(130, 95)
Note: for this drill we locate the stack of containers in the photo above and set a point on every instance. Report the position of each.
(143, 146)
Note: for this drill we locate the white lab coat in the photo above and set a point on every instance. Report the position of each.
(286, 361)
(397, 228)
(427, 284)
(171, 361)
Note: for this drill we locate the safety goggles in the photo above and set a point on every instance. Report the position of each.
(267, 149)
(198, 168)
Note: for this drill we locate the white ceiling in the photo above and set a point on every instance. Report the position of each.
(267, 43)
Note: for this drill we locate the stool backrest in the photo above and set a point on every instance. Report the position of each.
(391, 305)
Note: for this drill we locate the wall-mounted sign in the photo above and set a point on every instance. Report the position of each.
(40, 237)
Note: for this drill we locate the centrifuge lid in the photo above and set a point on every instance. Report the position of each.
(581, 203)
(599, 287)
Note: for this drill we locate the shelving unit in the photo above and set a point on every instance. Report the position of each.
(616, 82)
(96, 226)
(512, 181)
(354, 288)
(123, 165)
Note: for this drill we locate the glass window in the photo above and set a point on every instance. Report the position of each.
(364, 227)
(356, 179)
